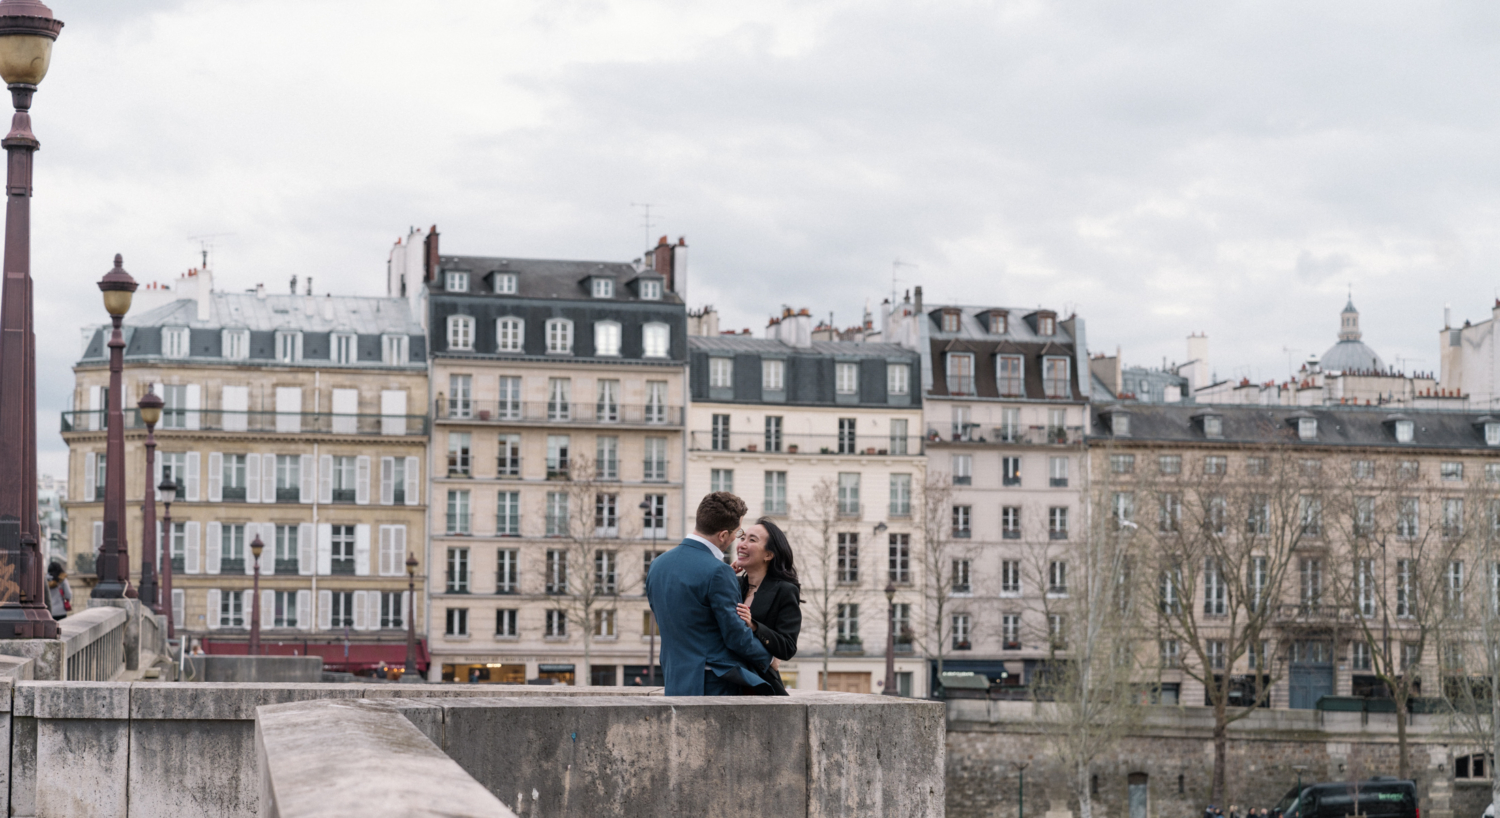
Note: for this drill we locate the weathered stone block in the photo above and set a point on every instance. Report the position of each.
(73, 700)
(873, 755)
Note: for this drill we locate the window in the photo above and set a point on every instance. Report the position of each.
(656, 401)
(897, 379)
(1364, 516)
(1408, 470)
(606, 338)
(341, 549)
(655, 519)
(1057, 631)
(721, 373)
(898, 436)
(505, 623)
(1364, 470)
(285, 550)
(606, 575)
(603, 287)
(848, 622)
(650, 289)
(847, 439)
(510, 335)
(232, 548)
(505, 283)
(899, 562)
(1057, 426)
(1057, 578)
(656, 340)
(557, 514)
(963, 429)
(900, 495)
(1170, 463)
(1453, 517)
(960, 373)
(458, 511)
(962, 628)
(1010, 631)
(345, 348)
(721, 480)
(1055, 378)
(773, 433)
(1311, 515)
(557, 624)
(1213, 426)
(559, 399)
(1215, 464)
(1307, 428)
(232, 476)
(1311, 469)
(950, 320)
(963, 469)
(284, 609)
(1215, 593)
(607, 457)
(508, 461)
(508, 514)
(460, 332)
(961, 521)
(557, 457)
(848, 557)
(604, 625)
(460, 396)
(1121, 463)
(1411, 654)
(174, 342)
(1169, 592)
(1010, 522)
(656, 458)
(772, 374)
(458, 571)
(1405, 590)
(1057, 523)
(775, 492)
(1008, 375)
(846, 379)
(1010, 425)
(1451, 470)
(606, 515)
(456, 282)
(1311, 570)
(607, 405)
(1407, 517)
(999, 322)
(1216, 654)
(719, 433)
(231, 609)
(459, 454)
(1454, 600)
(963, 577)
(559, 336)
(1259, 577)
(1010, 471)
(236, 343)
(1046, 325)
(1122, 507)
(1169, 513)
(1171, 654)
(458, 620)
(1010, 577)
(557, 572)
(848, 494)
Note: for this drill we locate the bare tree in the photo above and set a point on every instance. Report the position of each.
(947, 566)
(823, 589)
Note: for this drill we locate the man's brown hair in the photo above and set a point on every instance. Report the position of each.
(720, 511)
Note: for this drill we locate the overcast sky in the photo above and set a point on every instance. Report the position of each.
(1161, 168)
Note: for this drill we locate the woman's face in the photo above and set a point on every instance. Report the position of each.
(751, 547)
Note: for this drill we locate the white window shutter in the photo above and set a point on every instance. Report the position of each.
(252, 478)
(90, 467)
(214, 547)
(247, 599)
(267, 609)
(308, 480)
(387, 481)
(193, 461)
(215, 477)
(267, 478)
(307, 550)
(362, 550)
(190, 552)
(96, 399)
(98, 537)
(213, 609)
(411, 481)
(179, 601)
(374, 599)
(325, 610)
(361, 619)
(194, 404)
(304, 610)
(398, 545)
(362, 480)
(325, 478)
(325, 550)
(393, 412)
(249, 561)
(267, 557)
(385, 551)
(406, 607)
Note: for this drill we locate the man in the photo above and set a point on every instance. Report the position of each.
(706, 649)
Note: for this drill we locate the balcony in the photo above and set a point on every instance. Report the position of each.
(1012, 435)
(960, 385)
(1313, 614)
(591, 412)
(215, 420)
(880, 445)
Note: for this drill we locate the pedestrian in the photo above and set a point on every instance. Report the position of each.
(59, 592)
(1234, 811)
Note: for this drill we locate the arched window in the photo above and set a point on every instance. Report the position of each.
(559, 335)
(606, 338)
(656, 339)
(460, 332)
(510, 333)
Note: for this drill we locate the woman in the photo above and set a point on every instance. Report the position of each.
(59, 592)
(771, 593)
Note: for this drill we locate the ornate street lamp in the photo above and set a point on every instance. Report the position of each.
(890, 641)
(150, 407)
(27, 31)
(411, 617)
(114, 554)
(651, 653)
(168, 489)
(256, 546)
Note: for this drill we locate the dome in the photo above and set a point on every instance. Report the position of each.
(1350, 355)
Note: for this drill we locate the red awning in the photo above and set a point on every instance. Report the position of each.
(337, 656)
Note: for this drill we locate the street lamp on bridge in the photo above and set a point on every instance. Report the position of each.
(114, 554)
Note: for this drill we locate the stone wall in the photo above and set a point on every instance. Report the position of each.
(986, 740)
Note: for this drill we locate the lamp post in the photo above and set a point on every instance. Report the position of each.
(168, 489)
(890, 641)
(1021, 788)
(411, 616)
(651, 652)
(114, 557)
(150, 407)
(256, 546)
(27, 31)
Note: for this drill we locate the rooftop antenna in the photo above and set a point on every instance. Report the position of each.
(1290, 372)
(896, 265)
(205, 244)
(645, 221)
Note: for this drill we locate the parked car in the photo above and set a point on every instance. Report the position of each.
(1382, 797)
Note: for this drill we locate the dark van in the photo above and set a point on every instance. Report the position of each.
(1384, 797)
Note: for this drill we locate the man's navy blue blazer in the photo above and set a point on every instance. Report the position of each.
(693, 596)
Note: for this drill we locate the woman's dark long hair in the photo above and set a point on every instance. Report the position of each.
(782, 566)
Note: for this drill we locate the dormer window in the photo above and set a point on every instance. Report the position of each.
(456, 282)
(288, 347)
(1307, 428)
(236, 344)
(604, 288)
(460, 332)
(1492, 433)
(345, 348)
(1406, 431)
(174, 342)
(394, 350)
(950, 320)
(607, 338)
(1046, 325)
(559, 336)
(650, 289)
(1119, 423)
(1213, 426)
(505, 283)
(999, 322)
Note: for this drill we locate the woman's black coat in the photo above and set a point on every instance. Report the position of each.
(776, 611)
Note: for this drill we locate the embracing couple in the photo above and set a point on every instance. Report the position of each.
(726, 627)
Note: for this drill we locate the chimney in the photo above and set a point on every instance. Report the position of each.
(801, 329)
(309, 285)
(260, 292)
(294, 285)
(918, 291)
(205, 293)
(430, 251)
(678, 279)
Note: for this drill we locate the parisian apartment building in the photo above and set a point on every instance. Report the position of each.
(300, 419)
(823, 438)
(558, 398)
(1005, 404)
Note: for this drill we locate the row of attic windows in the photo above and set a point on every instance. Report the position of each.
(510, 335)
(997, 322)
(235, 346)
(457, 281)
(1403, 429)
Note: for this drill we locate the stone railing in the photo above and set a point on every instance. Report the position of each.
(94, 644)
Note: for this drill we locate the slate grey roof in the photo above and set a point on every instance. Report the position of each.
(1337, 425)
(838, 349)
(972, 324)
(341, 313)
(547, 278)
